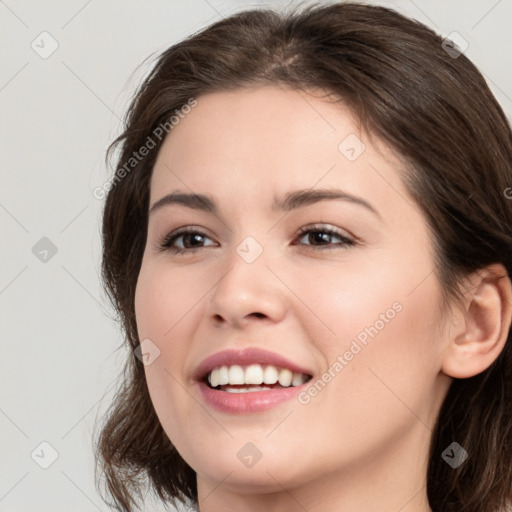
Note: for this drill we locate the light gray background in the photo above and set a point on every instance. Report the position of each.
(59, 363)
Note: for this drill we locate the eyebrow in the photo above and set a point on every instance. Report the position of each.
(291, 201)
(301, 198)
(194, 201)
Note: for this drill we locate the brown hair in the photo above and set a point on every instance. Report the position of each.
(435, 110)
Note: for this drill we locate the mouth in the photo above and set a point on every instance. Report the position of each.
(253, 378)
(249, 380)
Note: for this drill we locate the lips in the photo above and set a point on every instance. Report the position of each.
(246, 363)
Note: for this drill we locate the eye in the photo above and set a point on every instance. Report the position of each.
(183, 240)
(320, 238)
(187, 239)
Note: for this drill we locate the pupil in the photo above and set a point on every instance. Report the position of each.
(319, 237)
(195, 237)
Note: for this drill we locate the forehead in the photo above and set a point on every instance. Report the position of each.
(270, 139)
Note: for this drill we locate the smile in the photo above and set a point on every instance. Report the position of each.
(249, 380)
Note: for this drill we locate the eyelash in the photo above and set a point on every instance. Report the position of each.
(165, 244)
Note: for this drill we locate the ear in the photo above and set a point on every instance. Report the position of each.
(480, 330)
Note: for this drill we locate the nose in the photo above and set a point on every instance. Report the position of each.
(247, 293)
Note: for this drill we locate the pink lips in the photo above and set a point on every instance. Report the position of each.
(240, 403)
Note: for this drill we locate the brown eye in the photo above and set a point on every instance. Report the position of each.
(322, 237)
(184, 240)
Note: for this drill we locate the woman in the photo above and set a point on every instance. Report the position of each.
(308, 242)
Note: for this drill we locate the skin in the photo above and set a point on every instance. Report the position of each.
(362, 442)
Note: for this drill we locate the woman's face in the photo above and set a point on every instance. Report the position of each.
(344, 290)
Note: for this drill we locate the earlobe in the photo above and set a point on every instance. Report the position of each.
(482, 327)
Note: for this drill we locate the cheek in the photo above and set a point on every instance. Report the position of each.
(168, 308)
(350, 299)
(164, 306)
(164, 299)
(375, 326)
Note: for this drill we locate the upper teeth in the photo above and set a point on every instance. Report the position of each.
(255, 374)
